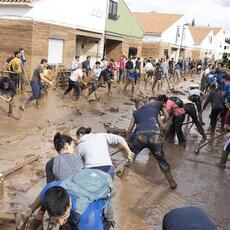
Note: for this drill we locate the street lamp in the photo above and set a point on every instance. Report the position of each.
(182, 37)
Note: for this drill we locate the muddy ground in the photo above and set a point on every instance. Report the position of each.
(143, 194)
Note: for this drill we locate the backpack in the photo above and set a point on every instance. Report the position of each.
(177, 101)
(89, 185)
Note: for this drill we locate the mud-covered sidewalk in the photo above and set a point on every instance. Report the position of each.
(143, 194)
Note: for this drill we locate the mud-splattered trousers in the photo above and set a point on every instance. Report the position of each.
(152, 141)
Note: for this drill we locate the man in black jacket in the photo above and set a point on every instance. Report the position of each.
(7, 89)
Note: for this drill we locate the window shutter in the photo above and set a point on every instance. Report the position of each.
(55, 51)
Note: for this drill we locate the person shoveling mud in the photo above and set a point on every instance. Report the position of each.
(146, 134)
(7, 92)
(35, 82)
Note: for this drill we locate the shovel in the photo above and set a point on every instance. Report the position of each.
(207, 142)
(69, 100)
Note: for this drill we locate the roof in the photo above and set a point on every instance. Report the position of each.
(199, 33)
(16, 2)
(216, 30)
(156, 23)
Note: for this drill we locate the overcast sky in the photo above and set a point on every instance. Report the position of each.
(205, 12)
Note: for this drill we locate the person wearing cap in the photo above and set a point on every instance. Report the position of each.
(7, 88)
(187, 218)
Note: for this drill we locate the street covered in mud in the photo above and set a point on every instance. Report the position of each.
(143, 195)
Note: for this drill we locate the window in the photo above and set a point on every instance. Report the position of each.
(55, 51)
(210, 39)
(177, 34)
(113, 6)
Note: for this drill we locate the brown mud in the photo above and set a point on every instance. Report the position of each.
(143, 194)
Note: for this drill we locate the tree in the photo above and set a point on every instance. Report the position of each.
(193, 22)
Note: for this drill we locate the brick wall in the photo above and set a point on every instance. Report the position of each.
(196, 54)
(127, 43)
(33, 37)
(42, 32)
(150, 49)
(15, 34)
(113, 49)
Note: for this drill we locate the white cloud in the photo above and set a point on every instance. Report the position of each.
(205, 12)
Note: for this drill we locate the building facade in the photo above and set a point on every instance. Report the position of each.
(73, 28)
(123, 33)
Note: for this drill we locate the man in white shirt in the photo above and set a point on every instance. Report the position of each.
(149, 70)
(93, 149)
(74, 80)
(75, 63)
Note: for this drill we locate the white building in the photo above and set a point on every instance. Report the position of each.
(168, 33)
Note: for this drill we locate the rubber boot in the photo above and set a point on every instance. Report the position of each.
(169, 178)
(223, 160)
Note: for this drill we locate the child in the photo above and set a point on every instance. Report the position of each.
(95, 79)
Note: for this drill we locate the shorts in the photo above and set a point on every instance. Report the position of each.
(131, 80)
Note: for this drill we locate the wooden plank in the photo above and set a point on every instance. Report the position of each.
(21, 165)
(7, 217)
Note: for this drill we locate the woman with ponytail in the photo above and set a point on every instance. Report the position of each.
(65, 163)
(93, 149)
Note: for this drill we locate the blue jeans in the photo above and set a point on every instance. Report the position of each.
(152, 141)
(107, 168)
(36, 91)
(121, 74)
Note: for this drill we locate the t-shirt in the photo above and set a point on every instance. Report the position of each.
(227, 118)
(91, 219)
(36, 75)
(187, 218)
(93, 148)
(96, 73)
(76, 75)
(173, 108)
(16, 65)
(146, 118)
(226, 90)
(122, 63)
(196, 92)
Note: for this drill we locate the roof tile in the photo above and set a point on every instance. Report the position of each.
(16, 1)
(156, 23)
(216, 30)
(199, 33)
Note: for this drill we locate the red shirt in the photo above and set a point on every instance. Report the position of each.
(173, 109)
(122, 63)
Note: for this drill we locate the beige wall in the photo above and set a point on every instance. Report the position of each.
(15, 34)
(33, 37)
